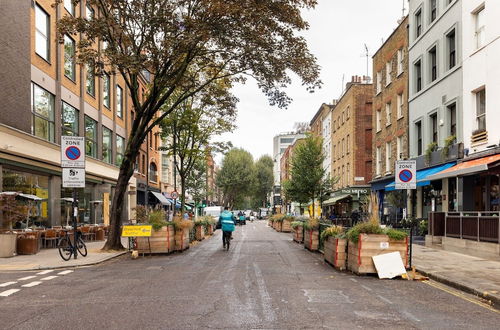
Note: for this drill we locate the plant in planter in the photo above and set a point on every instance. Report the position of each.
(182, 228)
(199, 226)
(368, 239)
(298, 231)
(278, 222)
(335, 245)
(311, 234)
(10, 212)
(448, 142)
(208, 223)
(431, 147)
(162, 237)
(286, 223)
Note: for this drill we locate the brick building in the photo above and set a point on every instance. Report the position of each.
(351, 139)
(390, 110)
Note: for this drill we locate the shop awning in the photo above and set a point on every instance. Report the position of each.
(27, 196)
(161, 198)
(424, 176)
(335, 199)
(472, 166)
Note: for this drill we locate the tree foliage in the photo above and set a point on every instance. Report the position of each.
(196, 183)
(186, 45)
(263, 180)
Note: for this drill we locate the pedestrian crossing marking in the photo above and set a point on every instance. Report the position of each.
(26, 278)
(3, 285)
(65, 272)
(8, 292)
(45, 272)
(32, 284)
(48, 278)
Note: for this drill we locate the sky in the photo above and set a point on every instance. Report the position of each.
(337, 35)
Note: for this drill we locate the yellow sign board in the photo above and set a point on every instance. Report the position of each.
(137, 231)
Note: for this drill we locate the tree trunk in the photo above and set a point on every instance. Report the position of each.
(183, 193)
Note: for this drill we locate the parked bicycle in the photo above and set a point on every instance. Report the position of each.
(67, 249)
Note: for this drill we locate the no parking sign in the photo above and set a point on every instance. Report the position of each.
(406, 174)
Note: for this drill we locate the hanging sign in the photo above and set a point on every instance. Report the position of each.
(73, 151)
(406, 174)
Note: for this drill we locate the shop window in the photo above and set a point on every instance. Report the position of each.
(90, 137)
(69, 58)
(70, 120)
(452, 194)
(107, 146)
(494, 193)
(42, 33)
(42, 103)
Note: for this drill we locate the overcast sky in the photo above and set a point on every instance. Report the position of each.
(337, 34)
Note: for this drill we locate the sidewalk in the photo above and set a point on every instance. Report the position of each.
(474, 275)
(50, 259)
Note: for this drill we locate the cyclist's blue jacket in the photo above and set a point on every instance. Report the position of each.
(227, 221)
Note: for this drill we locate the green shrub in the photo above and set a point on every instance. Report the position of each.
(363, 228)
(333, 231)
(296, 224)
(157, 218)
(311, 224)
(396, 235)
(423, 226)
(279, 217)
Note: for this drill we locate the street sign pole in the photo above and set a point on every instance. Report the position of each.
(75, 221)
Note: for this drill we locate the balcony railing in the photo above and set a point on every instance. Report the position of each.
(478, 226)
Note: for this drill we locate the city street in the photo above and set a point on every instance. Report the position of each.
(265, 281)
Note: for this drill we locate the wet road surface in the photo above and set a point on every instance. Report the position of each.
(265, 281)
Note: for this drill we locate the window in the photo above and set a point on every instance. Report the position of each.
(90, 137)
(42, 29)
(481, 110)
(104, 45)
(90, 81)
(348, 113)
(418, 23)
(388, 114)
(434, 128)
(343, 178)
(400, 61)
(378, 164)
(399, 148)
(143, 165)
(433, 63)
(388, 158)
(418, 76)
(70, 7)
(338, 150)
(69, 58)
(119, 101)
(479, 26)
(343, 117)
(89, 12)
(379, 82)
(452, 112)
(338, 122)
(334, 124)
(42, 104)
(400, 105)
(105, 90)
(388, 72)
(107, 146)
(418, 133)
(378, 120)
(70, 120)
(433, 10)
(286, 140)
(347, 144)
(120, 149)
(450, 41)
(348, 175)
(343, 147)
(153, 172)
(334, 152)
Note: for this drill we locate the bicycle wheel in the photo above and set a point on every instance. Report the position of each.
(65, 248)
(81, 247)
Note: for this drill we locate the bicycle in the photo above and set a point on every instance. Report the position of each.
(67, 249)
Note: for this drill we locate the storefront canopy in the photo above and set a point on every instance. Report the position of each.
(161, 198)
(27, 196)
(465, 168)
(335, 199)
(423, 176)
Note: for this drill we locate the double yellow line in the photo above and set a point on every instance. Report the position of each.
(460, 295)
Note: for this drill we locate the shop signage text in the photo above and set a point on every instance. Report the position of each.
(137, 231)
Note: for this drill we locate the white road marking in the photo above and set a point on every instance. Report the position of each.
(3, 285)
(411, 316)
(48, 278)
(45, 272)
(26, 278)
(385, 299)
(32, 284)
(367, 288)
(64, 272)
(354, 280)
(265, 297)
(8, 292)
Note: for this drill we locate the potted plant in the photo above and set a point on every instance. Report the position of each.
(162, 236)
(278, 221)
(368, 239)
(431, 147)
(311, 234)
(286, 224)
(298, 231)
(10, 212)
(182, 228)
(208, 223)
(448, 142)
(335, 246)
(199, 226)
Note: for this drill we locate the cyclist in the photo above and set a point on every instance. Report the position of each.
(227, 224)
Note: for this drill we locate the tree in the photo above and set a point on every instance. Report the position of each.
(306, 169)
(263, 180)
(235, 176)
(196, 183)
(186, 45)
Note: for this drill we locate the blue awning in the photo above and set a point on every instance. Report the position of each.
(422, 176)
(381, 183)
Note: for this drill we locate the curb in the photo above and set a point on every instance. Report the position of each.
(495, 300)
(63, 267)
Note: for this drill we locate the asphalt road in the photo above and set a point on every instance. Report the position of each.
(265, 281)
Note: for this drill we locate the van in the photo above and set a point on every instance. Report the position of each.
(215, 212)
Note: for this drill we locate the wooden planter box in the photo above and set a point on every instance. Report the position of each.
(270, 223)
(298, 235)
(286, 226)
(311, 239)
(182, 239)
(99, 235)
(161, 241)
(200, 232)
(209, 230)
(277, 225)
(336, 252)
(7, 245)
(359, 258)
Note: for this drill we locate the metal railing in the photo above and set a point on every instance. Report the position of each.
(478, 226)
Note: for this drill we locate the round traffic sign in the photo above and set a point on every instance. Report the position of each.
(405, 175)
(174, 194)
(73, 153)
